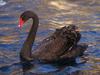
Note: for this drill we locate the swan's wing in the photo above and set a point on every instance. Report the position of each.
(75, 52)
(48, 39)
(50, 50)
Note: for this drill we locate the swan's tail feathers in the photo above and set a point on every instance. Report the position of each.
(81, 48)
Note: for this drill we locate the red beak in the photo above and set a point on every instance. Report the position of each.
(21, 22)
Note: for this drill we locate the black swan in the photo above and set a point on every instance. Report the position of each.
(62, 44)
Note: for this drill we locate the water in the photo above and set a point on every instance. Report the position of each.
(52, 14)
(2, 2)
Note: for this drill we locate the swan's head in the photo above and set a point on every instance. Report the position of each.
(25, 16)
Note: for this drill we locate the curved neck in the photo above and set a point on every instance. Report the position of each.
(27, 46)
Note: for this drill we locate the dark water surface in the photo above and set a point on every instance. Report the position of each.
(52, 14)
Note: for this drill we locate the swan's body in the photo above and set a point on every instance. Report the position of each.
(62, 44)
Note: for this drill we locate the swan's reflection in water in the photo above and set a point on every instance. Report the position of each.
(84, 67)
(42, 68)
(36, 67)
(54, 70)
